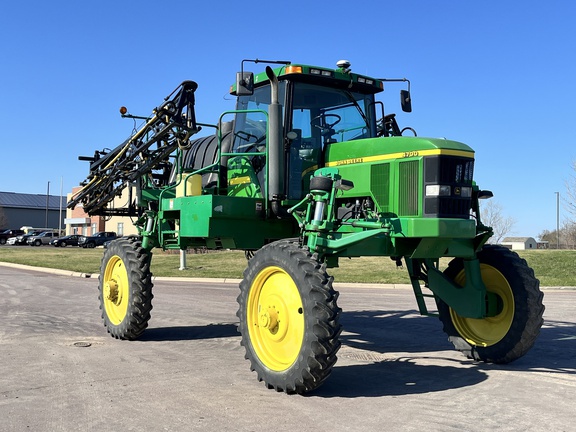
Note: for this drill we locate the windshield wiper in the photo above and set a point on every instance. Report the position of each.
(355, 103)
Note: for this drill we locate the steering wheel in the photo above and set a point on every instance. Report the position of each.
(327, 126)
(245, 135)
(410, 129)
(255, 146)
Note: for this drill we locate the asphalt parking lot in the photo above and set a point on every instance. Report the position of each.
(396, 370)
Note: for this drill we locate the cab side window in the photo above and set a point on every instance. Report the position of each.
(247, 167)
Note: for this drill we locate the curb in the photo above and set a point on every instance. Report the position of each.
(226, 280)
(49, 270)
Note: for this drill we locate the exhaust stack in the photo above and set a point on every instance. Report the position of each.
(275, 150)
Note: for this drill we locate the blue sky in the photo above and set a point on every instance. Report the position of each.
(496, 75)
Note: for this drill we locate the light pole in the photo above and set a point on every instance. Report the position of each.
(47, 198)
(557, 220)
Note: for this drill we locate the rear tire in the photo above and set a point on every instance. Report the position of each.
(512, 332)
(289, 318)
(125, 288)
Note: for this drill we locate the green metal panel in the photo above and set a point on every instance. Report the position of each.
(469, 300)
(434, 227)
(384, 149)
(223, 221)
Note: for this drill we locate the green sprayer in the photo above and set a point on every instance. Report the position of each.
(308, 169)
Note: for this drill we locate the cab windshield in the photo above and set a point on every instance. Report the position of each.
(329, 115)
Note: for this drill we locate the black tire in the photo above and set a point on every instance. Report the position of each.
(91, 245)
(38, 243)
(289, 319)
(512, 332)
(2, 241)
(125, 288)
(62, 243)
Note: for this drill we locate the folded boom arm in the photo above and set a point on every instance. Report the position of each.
(148, 150)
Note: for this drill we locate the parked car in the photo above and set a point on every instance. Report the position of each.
(69, 240)
(97, 239)
(41, 239)
(6, 234)
(22, 238)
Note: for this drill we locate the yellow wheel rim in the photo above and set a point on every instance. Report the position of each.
(115, 290)
(490, 330)
(275, 318)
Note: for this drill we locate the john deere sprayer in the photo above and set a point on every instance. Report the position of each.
(308, 169)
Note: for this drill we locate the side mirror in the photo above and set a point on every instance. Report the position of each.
(244, 84)
(405, 100)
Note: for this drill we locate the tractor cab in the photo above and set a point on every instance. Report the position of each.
(319, 107)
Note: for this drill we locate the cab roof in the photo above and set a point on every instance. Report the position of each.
(337, 78)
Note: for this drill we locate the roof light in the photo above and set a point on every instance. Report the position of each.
(293, 69)
(363, 80)
(322, 72)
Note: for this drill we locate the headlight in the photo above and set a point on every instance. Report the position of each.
(438, 190)
(465, 192)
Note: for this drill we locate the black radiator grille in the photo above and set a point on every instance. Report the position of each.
(453, 171)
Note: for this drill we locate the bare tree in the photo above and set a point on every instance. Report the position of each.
(491, 214)
(568, 234)
(552, 237)
(570, 201)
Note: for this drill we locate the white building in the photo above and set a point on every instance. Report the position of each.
(520, 243)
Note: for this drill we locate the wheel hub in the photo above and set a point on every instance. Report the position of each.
(111, 291)
(269, 320)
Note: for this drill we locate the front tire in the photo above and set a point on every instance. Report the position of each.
(288, 318)
(125, 288)
(509, 334)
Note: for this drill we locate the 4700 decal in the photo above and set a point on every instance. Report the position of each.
(412, 153)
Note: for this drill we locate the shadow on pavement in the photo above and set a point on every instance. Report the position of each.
(407, 332)
(390, 332)
(210, 331)
(397, 377)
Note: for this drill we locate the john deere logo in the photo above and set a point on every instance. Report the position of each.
(456, 190)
